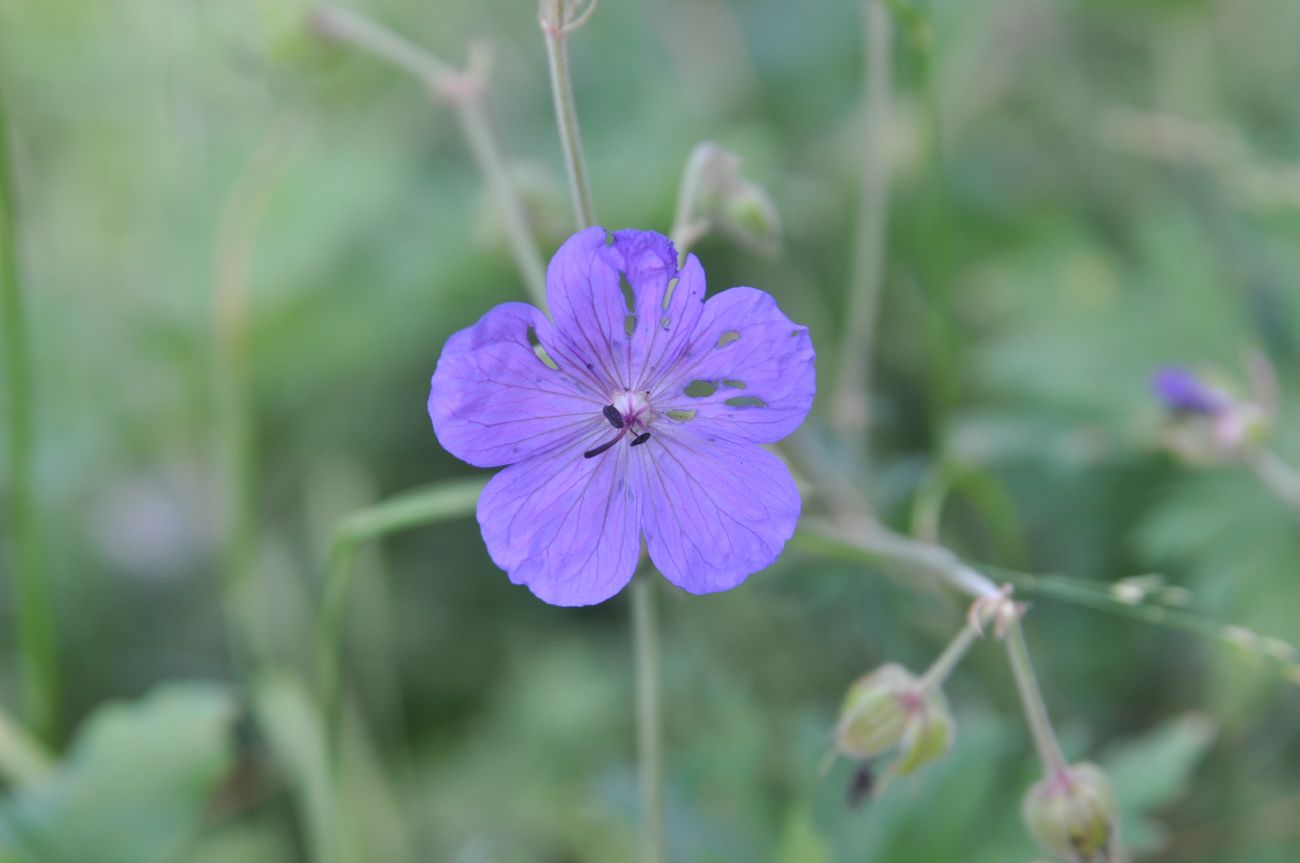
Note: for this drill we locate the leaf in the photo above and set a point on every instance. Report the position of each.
(1153, 771)
(800, 841)
(134, 788)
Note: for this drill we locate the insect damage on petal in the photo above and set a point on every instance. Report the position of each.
(636, 354)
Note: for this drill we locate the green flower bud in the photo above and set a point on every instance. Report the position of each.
(715, 194)
(749, 214)
(887, 711)
(1073, 814)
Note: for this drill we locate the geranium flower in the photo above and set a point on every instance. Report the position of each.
(638, 411)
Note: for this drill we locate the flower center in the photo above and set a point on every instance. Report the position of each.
(629, 411)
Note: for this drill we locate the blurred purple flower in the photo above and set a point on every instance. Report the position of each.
(1179, 389)
(638, 411)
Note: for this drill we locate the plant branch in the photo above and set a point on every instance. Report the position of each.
(37, 645)
(645, 635)
(464, 91)
(556, 25)
(852, 400)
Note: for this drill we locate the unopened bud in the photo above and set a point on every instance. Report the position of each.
(889, 711)
(1206, 424)
(750, 216)
(716, 194)
(1073, 814)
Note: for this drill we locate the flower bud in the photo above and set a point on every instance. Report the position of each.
(716, 194)
(1073, 814)
(750, 216)
(1207, 425)
(888, 711)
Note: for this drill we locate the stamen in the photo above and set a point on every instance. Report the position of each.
(615, 418)
(639, 439)
(592, 453)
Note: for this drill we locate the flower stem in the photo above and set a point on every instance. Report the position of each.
(38, 652)
(556, 26)
(851, 413)
(645, 637)
(464, 92)
(231, 368)
(939, 670)
(1031, 698)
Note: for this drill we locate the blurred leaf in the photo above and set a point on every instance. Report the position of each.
(800, 843)
(136, 785)
(1153, 771)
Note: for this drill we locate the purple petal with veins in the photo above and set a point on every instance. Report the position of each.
(637, 412)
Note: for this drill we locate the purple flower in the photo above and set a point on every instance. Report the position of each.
(638, 410)
(1179, 389)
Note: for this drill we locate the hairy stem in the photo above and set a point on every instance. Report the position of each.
(645, 638)
(37, 647)
(851, 411)
(464, 91)
(1031, 698)
(555, 28)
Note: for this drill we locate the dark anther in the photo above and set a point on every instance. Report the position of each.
(592, 453)
(641, 438)
(615, 418)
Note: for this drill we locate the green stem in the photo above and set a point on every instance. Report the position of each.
(437, 502)
(232, 349)
(555, 29)
(38, 650)
(465, 93)
(645, 637)
(939, 670)
(851, 411)
(1031, 698)
(687, 230)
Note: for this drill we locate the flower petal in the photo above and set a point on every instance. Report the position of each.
(754, 367)
(494, 401)
(567, 527)
(623, 339)
(716, 510)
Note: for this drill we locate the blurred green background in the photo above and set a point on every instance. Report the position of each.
(1081, 192)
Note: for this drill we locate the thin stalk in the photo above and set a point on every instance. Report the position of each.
(465, 92)
(939, 670)
(645, 637)
(851, 413)
(1031, 698)
(231, 313)
(687, 230)
(37, 646)
(431, 504)
(556, 27)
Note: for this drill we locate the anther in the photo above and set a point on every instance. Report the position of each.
(592, 453)
(615, 418)
(641, 438)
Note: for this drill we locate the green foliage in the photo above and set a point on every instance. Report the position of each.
(137, 783)
(1080, 192)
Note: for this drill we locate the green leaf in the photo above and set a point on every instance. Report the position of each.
(134, 788)
(800, 841)
(1153, 771)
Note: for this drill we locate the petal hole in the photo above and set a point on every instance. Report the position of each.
(541, 351)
